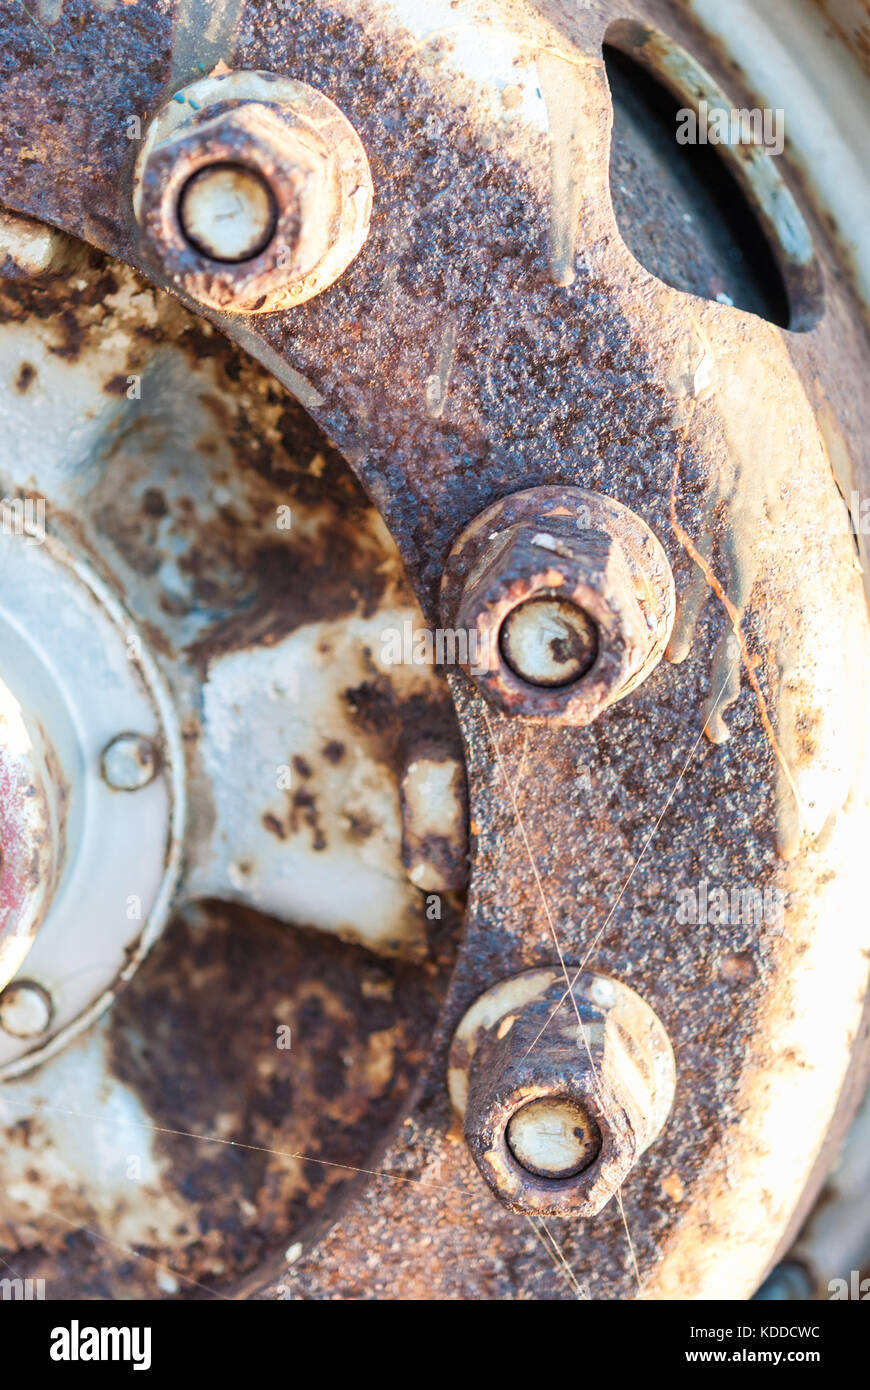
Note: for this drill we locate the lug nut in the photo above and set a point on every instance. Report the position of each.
(556, 1113)
(567, 598)
(252, 192)
(25, 1010)
(129, 763)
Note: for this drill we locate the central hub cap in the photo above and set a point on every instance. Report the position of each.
(32, 827)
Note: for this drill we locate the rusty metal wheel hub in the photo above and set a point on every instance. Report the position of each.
(436, 689)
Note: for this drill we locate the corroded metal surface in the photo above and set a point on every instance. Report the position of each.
(314, 179)
(239, 1029)
(495, 334)
(579, 546)
(262, 581)
(434, 800)
(177, 1148)
(529, 1043)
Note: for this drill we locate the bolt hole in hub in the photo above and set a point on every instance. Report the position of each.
(709, 217)
(227, 212)
(549, 642)
(553, 1138)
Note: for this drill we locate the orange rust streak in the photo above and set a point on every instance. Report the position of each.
(709, 574)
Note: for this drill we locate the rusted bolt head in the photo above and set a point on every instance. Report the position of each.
(567, 598)
(557, 1111)
(252, 192)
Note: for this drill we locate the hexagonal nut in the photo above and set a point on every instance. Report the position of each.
(556, 1112)
(293, 173)
(545, 555)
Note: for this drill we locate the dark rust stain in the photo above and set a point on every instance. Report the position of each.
(25, 378)
(199, 1047)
